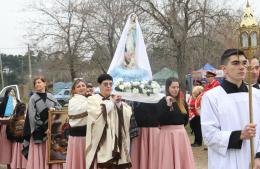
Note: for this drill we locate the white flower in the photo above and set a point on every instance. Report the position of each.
(136, 83)
(141, 86)
(117, 83)
(154, 84)
(127, 84)
(128, 90)
(135, 90)
(144, 87)
(155, 91)
(144, 82)
(121, 87)
(144, 91)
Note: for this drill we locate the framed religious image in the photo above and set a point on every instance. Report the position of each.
(58, 128)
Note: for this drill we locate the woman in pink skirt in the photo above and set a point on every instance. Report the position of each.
(18, 160)
(36, 124)
(5, 147)
(174, 145)
(15, 134)
(144, 147)
(77, 111)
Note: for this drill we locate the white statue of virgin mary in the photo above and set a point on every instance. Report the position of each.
(130, 61)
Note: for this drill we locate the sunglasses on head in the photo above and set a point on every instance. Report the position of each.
(75, 79)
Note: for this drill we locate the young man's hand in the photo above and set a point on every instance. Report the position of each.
(248, 132)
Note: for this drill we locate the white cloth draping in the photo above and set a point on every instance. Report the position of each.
(141, 57)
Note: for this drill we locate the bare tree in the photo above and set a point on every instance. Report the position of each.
(178, 20)
(104, 28)
(74, 34)
(183, 25)
(61, 31)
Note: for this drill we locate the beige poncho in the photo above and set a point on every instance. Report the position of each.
(104, 130)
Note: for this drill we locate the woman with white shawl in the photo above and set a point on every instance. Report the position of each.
(77, 111)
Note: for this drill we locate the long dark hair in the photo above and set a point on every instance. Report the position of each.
(178, 98)
(20, 109)
(4, 102)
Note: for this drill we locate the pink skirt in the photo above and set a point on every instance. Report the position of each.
(38, 157)
(18, 160)
(144, 149)
(5, 147)
(76, 156)
(174, 148)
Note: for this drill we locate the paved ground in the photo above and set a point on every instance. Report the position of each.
(200, 156)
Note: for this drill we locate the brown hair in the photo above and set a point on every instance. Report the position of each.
(39, 78)
(178, 98)
(75, 83)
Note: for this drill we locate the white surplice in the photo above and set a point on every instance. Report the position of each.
(222, 113)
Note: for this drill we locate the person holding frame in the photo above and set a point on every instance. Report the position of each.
(36, 125)
(77, 111)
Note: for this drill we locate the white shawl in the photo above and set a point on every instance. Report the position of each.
(77, 105)
(96, 124)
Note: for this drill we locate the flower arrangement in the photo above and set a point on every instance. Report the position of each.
(141, 87)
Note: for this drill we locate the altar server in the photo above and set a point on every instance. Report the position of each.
(225, 117)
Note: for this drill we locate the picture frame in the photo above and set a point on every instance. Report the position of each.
(58, 133)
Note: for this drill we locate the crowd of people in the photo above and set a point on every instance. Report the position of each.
(108, 132)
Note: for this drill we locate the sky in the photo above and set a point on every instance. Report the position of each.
(14, 21)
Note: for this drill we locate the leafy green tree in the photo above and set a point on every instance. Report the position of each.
(15, 69)
(12, 67)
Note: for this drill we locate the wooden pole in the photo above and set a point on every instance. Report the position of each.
(249, 54)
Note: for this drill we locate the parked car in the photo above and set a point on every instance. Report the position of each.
(63, 96)
(15, 87)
